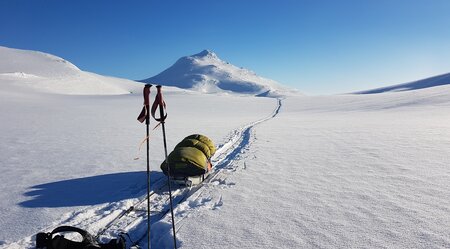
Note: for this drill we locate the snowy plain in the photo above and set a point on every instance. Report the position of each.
(340, 171)
(350, 171)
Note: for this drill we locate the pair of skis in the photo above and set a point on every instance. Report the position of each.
(160, 104)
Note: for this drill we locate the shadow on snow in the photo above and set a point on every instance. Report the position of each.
(90, 190)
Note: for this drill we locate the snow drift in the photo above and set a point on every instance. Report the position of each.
(443, 79)
(42, 72)
(206, 72)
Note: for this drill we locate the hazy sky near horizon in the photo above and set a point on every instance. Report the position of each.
(318, 47)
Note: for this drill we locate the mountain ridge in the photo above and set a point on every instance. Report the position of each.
(25, 70)
(438, 80)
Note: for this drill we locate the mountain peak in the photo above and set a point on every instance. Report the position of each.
(205, 72)
(205, 53)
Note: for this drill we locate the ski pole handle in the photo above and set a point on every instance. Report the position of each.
(144, 115)
(159, 102)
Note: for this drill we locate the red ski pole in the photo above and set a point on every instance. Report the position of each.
(159, 102)
(145, 116)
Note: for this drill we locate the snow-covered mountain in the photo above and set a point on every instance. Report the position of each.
(443, 79)
(44, 72)
(206, 72)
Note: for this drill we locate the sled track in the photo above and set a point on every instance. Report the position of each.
(129, 216)
(237, 143)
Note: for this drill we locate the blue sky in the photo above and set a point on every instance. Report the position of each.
(318, 47)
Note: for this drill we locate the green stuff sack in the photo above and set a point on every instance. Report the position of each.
(190, 157)
(195, 144)
(205, 140)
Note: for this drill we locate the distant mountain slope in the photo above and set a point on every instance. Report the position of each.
(206, 72)
(439, 80)
(31, 70)
(34, 63)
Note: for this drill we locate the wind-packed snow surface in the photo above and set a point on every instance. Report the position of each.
(346, 171)
(206, 72)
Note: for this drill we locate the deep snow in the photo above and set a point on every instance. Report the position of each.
(342, 171)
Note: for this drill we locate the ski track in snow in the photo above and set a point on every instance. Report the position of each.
(129, 216)
(196, 199)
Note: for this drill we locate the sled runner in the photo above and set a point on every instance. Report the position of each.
(188, 180)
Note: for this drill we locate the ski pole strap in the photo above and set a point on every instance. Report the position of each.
(159, 102)
(144, 113)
